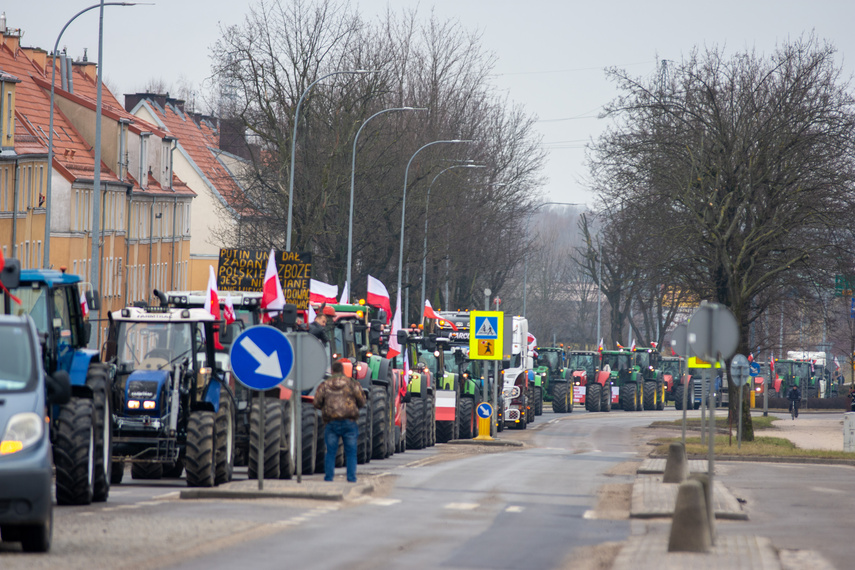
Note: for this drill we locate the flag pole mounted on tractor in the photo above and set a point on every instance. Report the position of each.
(294, 142)
(352, 180)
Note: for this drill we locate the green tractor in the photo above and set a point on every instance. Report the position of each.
(423, 365)
(623, 374)
(552, 367)
(648, 367)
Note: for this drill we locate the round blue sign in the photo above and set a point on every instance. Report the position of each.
(261, 357)
(485, 410)
(753, 369)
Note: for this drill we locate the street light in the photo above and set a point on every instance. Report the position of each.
(50, 122)
(294, 141)
(528, 219)
(404, 204)
(352, 178)
(427, 203)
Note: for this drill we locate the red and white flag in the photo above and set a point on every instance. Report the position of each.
(379, 297)
(84, 306)
(394, 346)
(632, 346)
(836, 364)
(345, 295)
(212, 302)
(431, 314)
(320, 292)
(532, 341)
(229, 310)
(272, 297)
(312, 314)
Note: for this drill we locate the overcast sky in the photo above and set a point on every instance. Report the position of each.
(550, 54)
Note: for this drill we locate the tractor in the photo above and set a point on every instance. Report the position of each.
(80, 428)
(618, 365)
(424, 354)
(551, 364)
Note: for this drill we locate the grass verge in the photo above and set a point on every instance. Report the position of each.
(760, 447)
(759, 422)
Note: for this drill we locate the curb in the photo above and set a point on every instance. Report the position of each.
(488, 442)
(289, 493)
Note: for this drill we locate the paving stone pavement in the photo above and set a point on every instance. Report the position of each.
(654, 465)
(729, 553)
(652, 498)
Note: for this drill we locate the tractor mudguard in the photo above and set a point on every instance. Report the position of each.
(211, 401)
(80, 366)
(448, 382)
(381, 374)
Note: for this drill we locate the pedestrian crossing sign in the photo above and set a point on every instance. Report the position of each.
(485, 340)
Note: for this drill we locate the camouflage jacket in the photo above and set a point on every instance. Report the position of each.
(339, 398)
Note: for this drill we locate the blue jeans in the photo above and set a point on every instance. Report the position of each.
(348, 431)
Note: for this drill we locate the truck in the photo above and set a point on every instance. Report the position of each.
(553, 366)
(174, 411)
(80, 429)
(672, 374)
(517, 386)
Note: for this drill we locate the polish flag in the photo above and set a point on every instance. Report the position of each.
(272, 297)
(320, 292)
(600, 346)
(312, 314)
(431, 314)
(379, 297)
(84, 306)
(345, 295)
(394, 346)
(229, 310)
(633, 345)
(212, 303)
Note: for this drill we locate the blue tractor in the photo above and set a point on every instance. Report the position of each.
(80, 429)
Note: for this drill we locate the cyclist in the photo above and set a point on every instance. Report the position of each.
(795, 397)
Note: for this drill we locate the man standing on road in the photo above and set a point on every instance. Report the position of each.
(795, 397)
(339, 399)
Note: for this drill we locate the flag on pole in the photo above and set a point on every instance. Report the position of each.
(431, 314)
(379, 297)
(600, 346)
(212, 303)
(312, 313)
(229, 310)
(394, 347)
(632, 346)
(345, 295)
(836, 364)
(84, 306)
(320, 292)
(272, 297)
(772, 365)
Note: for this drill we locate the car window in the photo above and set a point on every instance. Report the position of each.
(16, 373)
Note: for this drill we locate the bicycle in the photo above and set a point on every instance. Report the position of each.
(794, 409)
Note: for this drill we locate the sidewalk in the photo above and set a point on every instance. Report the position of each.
(312, 487)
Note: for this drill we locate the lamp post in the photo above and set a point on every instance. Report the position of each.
(46, 260)
(294, 142)
(352, 179)
(404, 204)
(427, 203)
(525, 261)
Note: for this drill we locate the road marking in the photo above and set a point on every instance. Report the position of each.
(461, 506)
(827, 490)
(385, 502)
(419, 462)
(590, 514)
(173, 495)
(514, 509)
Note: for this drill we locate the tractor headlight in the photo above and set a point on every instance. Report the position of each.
(133, 404)
(149, 404)
(23, 430)
(511, 393)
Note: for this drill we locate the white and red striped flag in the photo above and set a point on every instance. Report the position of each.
(379, 297)
(229, 310)
(272, 297)
(431, 314)
(84, 305)
(394, 347)
(345, 295)
(320, 292)
(212, 302)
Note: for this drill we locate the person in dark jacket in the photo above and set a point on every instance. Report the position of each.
(318, 327)
(339, 398)
(795, 397)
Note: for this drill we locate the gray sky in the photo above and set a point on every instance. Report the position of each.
(550, 54)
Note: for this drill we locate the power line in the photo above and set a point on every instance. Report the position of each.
(570, 70)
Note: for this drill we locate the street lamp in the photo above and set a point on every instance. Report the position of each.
(427, 203)
(528, 219)
(404, 204)
(352, 178)
(294, 141)
(50, 121)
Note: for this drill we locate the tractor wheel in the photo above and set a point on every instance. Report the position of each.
(559, 397)
(400, 442)
(97, 379)
(606, 401)
(649, 399)
(308, 431)
(445, 431)
(678, 396)
(538, 401)
(379, 422)
(416, 423)
(628, 397)
(622, 398)
(287, 446)
(225, 430)
(467, 420)
(639, 397)
(199, 459)
(660, 393)
(175, 470)
(74, 453)
(430, 421)
(148, 470)
(320, 445)
(117, 472)
(363, 438)
(272, 430)
(593, 397)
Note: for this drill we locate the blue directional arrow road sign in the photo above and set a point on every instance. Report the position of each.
(754, 369)
(485, 410)
(261, 357)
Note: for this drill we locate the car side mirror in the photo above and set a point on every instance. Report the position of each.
(10, 275)
(430, 342)
(58, 387)
(93, 299)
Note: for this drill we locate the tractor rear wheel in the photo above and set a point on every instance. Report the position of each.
(416, 423)
(538, 401)
(308, 432)
(148, 470)
(199, 459)
(320, 444)
(430, 421)
(606, 401)
(467, 421)
(660, 393)
(650, 400)
(639, 398)
(74, 453)
(97, 379)
(593, 397)
(363, 438)
(559, 397)
(174, 470)
(379, 422)
(225, 430)
(272, 430)
(678, 396)
(117, 472)
(628, 397)
(287, 446)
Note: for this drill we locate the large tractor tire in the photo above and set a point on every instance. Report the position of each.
(309, 434)
(538, 401)
(416, 437)
(430, 420)
(606, 401)
(147, 470)
(445, 430)
(199, 459)
(466, 425)
(679, 390)
(272, 430)
(175, 470)
(560, 397)
(320, 445)
(117, 472)
(628, 397)
(287, 446)
(639, 397)
(379, 423)
(74, 453)
(98, 380)
(224, 425)
(660, 392)
(593, 397)
(363, 439)
(650, 396)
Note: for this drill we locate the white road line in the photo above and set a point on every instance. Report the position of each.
(514, 509)
(827, 490)
(385, 502)
(461, 506)
(590, 515)
(173, 495)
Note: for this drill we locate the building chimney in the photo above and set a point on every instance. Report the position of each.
(39, 57)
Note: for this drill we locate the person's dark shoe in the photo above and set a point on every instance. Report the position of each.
(349, 481)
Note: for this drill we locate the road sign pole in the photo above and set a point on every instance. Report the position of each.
(739, 436)
(494, 427)
(297, 396)
(261, 406)
(711, 465)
